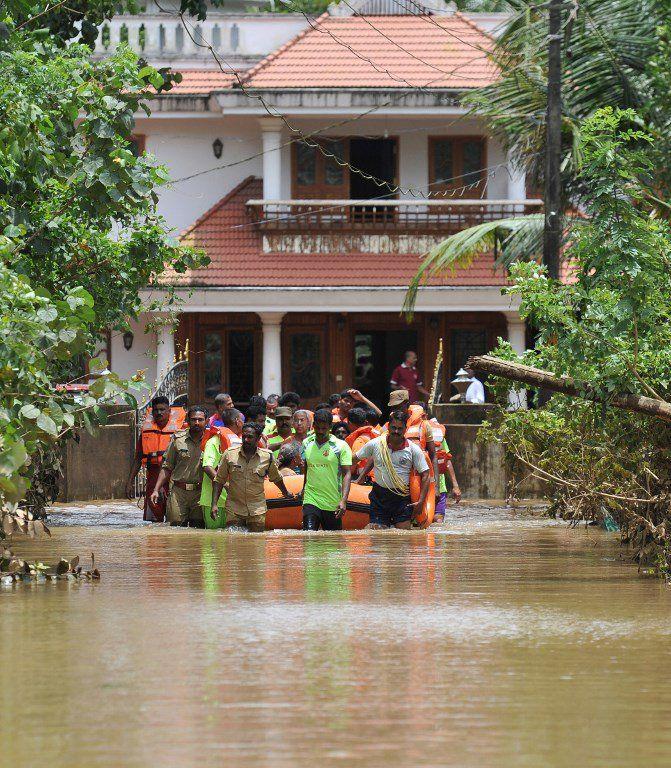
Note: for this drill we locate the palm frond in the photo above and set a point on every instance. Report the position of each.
(460, 249)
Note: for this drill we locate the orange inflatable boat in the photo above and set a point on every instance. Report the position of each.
(288, 513)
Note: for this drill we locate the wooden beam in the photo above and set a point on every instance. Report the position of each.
(535, 377)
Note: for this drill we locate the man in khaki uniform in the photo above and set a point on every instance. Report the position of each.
(243, 469)
(182, 467)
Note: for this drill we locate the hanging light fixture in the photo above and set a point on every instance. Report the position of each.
(128, 340)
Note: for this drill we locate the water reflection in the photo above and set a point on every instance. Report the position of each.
(491, 641)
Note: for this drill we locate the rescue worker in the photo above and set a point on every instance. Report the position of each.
(445, 467)
(328, 474)
(393, 457)
(283, 430)
(182, 468)
(243, 470)
(417, 427)
(156, 433)
(365, 430)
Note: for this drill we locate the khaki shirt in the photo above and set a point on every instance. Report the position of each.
(182, 458)
(244, 478)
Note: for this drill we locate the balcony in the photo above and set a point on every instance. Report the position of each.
(242, 38)
(382, 226)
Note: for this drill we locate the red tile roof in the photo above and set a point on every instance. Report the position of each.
(233, 243)
(201, 82)
(380, 52)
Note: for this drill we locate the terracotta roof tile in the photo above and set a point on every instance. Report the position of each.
(201, 82)
(227, 235)
(384, 52)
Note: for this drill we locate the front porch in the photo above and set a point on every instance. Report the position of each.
(317, 353)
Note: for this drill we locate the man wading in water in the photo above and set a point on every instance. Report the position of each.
(243, 469)
(328, 474)
(393, 457)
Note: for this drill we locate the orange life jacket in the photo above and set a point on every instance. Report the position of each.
(154, 440)
(228, 439)
(442, 456)
(415, 426)
(359, 438)
(208, 432)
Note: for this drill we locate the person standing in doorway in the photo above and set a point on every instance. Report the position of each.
(328, 474)
(406, 376)
(243, 470)
(182, 469)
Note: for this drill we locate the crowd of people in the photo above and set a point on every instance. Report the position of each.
(210, 471)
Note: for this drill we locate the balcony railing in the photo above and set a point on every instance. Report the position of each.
(444, 216)
(247, 37)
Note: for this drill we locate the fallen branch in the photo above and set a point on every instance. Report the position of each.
(535, 377)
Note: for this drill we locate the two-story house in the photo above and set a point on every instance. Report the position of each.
(316, 179)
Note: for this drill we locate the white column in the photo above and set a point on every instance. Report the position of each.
(271, 323)
(517, 188)
(165, 351)
(517, 340)
(271, 138)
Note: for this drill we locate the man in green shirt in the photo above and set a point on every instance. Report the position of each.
(211, 457)
(328, 474)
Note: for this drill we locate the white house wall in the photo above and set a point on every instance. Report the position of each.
(185, 147)
(140, 357)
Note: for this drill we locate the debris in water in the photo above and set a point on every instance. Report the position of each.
(14, 570)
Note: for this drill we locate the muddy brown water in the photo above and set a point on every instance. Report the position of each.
(495, 640)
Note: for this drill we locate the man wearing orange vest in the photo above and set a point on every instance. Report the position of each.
(160, 425)
(365, 423)
(418, 429)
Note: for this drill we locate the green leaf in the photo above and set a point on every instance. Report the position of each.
(47, 424)
(29, 411)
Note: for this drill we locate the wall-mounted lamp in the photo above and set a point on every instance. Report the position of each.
(340, 323)
(218, 148)
(128, 340)
(433, 323)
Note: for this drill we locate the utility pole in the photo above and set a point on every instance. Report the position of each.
(553, 222)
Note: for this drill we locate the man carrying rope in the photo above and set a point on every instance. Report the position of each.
(393, 458)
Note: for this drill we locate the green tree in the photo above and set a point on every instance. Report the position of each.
(610, 328)
(80, 236)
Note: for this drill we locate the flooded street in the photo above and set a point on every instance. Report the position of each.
(495, 640)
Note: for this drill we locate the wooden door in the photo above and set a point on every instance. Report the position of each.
(227, 361)
(304, 363)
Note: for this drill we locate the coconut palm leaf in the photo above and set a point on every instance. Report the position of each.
(522, 235)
